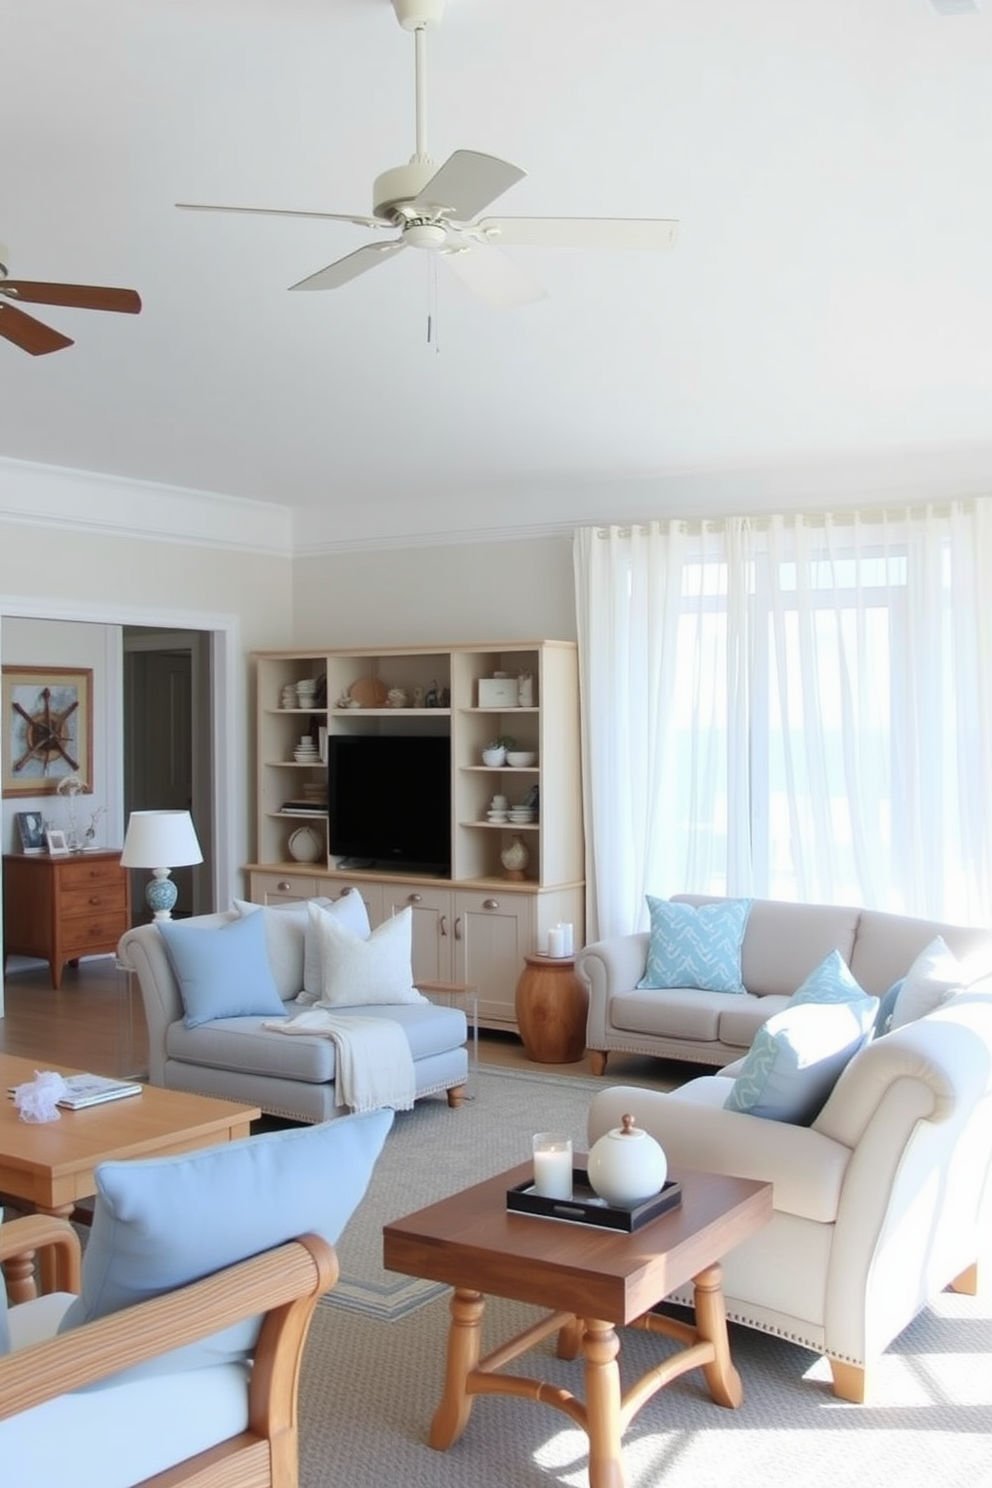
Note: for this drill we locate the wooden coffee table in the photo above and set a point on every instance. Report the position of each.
(595, 1280)
(49, 1166)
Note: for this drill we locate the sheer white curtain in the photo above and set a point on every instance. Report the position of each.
(797, 707)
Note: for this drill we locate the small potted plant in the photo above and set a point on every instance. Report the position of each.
(495, 751)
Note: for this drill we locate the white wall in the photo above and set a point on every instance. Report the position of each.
(520, 590)
(58, 644)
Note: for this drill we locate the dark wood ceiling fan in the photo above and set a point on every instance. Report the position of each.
(33, 335)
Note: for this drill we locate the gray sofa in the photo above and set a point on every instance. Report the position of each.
(783, 942)
(238, 1059)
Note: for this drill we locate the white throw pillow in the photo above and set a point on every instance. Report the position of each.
(934, 976)
(286, 927)
(355, 972)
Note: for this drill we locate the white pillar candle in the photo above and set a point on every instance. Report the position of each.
(556, 941)
(552, 1166)
(568, 938)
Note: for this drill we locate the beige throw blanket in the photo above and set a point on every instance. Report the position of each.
(373, 1059)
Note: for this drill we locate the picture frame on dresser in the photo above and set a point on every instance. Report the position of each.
(58, 846)
(31, 829)
(48, 728)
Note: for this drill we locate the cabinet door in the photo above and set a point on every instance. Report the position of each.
(432, 927)
(492, 934)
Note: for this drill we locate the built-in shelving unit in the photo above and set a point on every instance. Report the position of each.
(476, 925)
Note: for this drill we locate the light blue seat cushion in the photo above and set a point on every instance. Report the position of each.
(223, 971)
(161, 1222)
(797, 1057)
(696, 945)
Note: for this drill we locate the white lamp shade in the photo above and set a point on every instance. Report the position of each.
(160, 839)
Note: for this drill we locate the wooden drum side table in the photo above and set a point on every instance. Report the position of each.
(551, 1007)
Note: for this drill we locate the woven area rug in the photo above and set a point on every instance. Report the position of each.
(432, 1152)
(374, 1361)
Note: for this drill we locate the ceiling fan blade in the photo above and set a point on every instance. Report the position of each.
(351, 265)
(354, 217)
(581, 232)
(76, 296)
(467, 182)
(494, 277)
(29, 334)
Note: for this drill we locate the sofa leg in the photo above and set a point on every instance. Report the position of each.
(850, 1381)
(597, 1061)
(967, 1282)
(456, 1096)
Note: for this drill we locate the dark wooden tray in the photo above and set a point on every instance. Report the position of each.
(586, 1207)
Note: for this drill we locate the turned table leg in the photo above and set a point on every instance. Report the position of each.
(711, 1324)
(464, 1335)
(600, 1347)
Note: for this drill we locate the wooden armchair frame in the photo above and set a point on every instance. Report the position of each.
(284, 1284)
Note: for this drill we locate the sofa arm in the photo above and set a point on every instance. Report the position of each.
(607, 967)
(806, 1168)
(283, 1283)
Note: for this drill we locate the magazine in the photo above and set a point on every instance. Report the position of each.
(92, 1090)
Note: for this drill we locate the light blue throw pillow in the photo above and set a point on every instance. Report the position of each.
(832, 981)
(797, 1057)
(162, 1222)
(696, 945)
(223, 971)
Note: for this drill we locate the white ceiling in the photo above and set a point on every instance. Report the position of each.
(823, 328)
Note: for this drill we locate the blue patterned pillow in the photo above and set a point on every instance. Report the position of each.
(796, 1059)
(696, 945)
(832, 981)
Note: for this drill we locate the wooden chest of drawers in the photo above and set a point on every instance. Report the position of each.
(59, 909)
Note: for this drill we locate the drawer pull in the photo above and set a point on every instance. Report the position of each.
(490, 904)
(415, 899)
(283, 885)
(346, 890)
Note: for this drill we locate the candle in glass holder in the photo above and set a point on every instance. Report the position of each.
(552, 1165)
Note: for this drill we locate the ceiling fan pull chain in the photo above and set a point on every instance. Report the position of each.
(432, 304)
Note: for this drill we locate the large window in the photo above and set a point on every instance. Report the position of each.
(796, 707)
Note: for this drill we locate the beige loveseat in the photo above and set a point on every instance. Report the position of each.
(783, 942)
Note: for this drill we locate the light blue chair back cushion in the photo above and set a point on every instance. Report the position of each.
(161, 1222)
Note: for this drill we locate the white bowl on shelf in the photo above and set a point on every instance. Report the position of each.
(520, 759)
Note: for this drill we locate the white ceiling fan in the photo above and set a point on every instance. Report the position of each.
(433, 208)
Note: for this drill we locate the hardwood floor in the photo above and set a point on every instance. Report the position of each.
(95, 1022)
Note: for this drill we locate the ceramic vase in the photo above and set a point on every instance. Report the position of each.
(515, 857)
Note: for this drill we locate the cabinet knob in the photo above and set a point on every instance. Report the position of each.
(346, 890)
(415, 899)
(490, 904)
(283, 885)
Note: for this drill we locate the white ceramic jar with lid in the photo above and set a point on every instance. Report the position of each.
(627, 1166)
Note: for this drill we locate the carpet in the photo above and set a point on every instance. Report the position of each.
(433, 1151)
(374, 1360)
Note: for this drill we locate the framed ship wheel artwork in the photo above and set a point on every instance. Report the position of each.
(48, 723)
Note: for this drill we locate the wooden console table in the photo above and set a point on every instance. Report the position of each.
(59, 909)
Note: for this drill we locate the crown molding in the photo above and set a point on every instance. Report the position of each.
(113, 506)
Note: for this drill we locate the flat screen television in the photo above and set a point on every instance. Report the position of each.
(389, 801)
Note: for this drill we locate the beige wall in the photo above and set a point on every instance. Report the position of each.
(437, 595)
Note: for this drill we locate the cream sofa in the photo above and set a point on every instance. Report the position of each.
(884, 1200)
(783, 942)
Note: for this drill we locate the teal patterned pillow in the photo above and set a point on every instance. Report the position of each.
(696, 945)
(832, 981)
(796, 1059)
